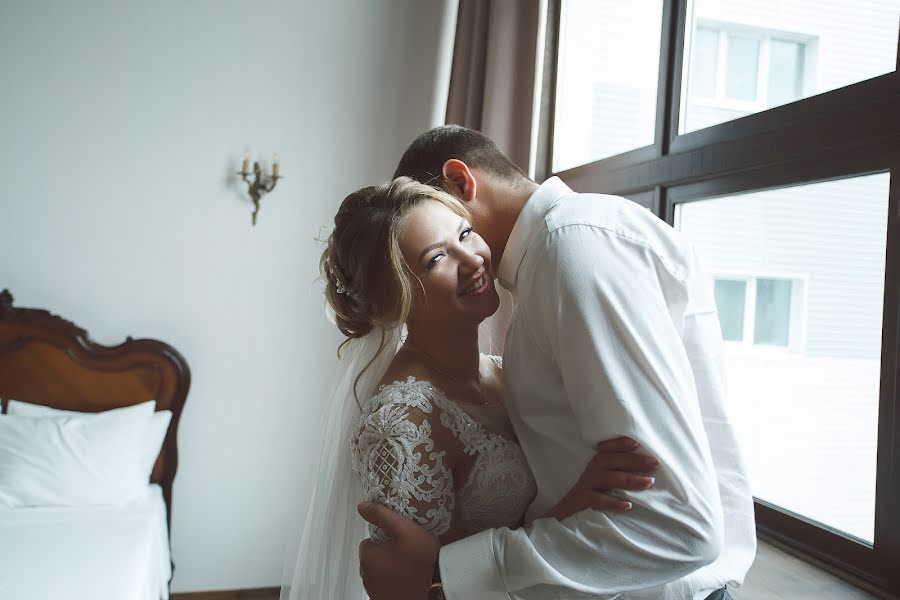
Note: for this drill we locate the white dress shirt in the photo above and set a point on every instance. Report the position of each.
(615, 332)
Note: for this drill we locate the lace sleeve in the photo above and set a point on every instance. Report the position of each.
(400, 464)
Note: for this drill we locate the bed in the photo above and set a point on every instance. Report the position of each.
(97, 551)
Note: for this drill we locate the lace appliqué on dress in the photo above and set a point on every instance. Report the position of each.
(393, 452)
(500, 485)
(498, 490)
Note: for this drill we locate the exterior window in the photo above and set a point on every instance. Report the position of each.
(773, 312)
(742, 57)
(741, 68)
(730, 300)
(760, 310)
(785, 72)
(798, 276)
(744, 69)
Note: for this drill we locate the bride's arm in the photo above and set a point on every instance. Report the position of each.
(405, 459)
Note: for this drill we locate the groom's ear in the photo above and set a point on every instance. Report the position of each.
(460, 179)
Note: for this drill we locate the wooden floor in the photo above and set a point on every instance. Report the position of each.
(776, 575)
(258, 594)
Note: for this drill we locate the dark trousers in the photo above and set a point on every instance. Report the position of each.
(721, 594)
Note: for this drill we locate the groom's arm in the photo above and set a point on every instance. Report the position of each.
(607, 311)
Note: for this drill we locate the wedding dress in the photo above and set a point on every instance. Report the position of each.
(385, 452)
(394, 454)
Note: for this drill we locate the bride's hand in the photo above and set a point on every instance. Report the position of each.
(615, 467)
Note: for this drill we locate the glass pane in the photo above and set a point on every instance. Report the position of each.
(805, 47)
(785, 70)
(824, 246)
(730, 297)
(773, 312)
(704, 62)
(606, 79)
(741, 68)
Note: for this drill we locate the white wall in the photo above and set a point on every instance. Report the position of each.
(121, 124)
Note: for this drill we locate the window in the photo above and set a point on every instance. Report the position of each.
(775, 150)
(743, 57)
(732, 67)
(607, 86)
(731, 301)
(741, 68)
(737, 71)
(803, 344)
(762, 311)
(786, 72)
(772, 325)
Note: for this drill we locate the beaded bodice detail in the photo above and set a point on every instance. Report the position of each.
(395, 456)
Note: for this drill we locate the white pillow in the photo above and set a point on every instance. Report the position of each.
(152, 442)
(73, 460)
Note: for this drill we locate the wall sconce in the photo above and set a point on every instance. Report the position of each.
(261, 183)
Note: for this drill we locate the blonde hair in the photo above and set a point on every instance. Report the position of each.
(368, 281)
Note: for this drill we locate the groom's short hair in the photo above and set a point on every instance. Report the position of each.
(424, 159)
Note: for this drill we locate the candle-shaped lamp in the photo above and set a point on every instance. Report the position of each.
(258, 183)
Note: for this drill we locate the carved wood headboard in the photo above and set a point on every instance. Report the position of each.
(47, 360)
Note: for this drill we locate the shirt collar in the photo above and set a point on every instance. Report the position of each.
(527, 224)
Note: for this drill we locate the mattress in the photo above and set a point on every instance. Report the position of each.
(89, 553)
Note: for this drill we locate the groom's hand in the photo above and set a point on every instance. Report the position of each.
(400, 568)
(615, 466)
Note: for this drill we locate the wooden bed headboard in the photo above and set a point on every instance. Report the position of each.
(47, 360)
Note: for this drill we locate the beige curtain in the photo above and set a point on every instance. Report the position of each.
(493, 83)
(495, 64)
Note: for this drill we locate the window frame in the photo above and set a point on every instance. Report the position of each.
(853, 130)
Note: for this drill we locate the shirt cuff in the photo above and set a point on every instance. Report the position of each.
(469, 569)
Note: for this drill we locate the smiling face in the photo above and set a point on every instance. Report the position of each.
(452, 263)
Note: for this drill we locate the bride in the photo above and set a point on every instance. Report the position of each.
(417, 422)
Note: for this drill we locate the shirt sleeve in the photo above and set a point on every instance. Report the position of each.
(402, 466)
(609, 311)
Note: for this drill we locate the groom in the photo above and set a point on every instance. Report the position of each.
(615, 333)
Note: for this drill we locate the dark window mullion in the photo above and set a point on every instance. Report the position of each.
(887, 490)
(544, 159)
(886, 86)
(668, 74)
(679, 27)
(583, 177)
(834, 138)
(846, 162)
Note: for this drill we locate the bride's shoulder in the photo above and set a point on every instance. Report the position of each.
(404, 383)
(406, 398)
(408, 391)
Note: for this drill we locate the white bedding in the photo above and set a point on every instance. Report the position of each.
(86, 553)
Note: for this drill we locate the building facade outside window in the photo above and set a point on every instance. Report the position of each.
(738, 70)
(762, 311)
